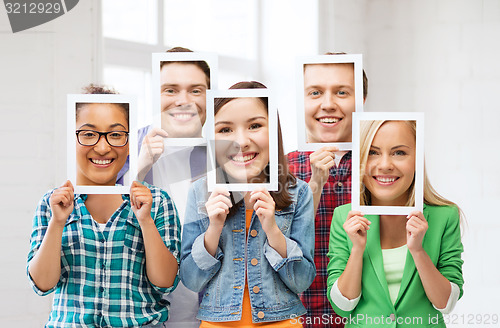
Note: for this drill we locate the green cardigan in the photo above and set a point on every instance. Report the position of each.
(412, 308)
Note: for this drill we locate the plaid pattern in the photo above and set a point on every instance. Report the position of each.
(336, 192)
(103, 274)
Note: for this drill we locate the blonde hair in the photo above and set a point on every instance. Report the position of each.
(368, 130)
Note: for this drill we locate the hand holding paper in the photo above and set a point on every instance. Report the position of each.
(356, 227)
(416, 227)
(151, 150)
(61, 203)
(141, 202)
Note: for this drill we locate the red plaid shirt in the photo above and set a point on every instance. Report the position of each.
(336, 192)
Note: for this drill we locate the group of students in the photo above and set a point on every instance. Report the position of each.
(298, 256)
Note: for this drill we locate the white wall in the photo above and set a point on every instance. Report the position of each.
(441, 57)
(289, 29)
(38, 68)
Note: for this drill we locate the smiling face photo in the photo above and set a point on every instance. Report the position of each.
(242, 141)
(101, 142)
(329, 101)
(390, 163)
(183, 99)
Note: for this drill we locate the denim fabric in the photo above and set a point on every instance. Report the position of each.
(279, 280)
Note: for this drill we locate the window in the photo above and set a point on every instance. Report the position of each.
(203, 25)
(118, 15)
(159, 25)
(254, 40)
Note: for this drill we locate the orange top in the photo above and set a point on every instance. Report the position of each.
(246, 315)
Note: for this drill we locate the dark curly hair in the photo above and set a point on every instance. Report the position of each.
(96, 89)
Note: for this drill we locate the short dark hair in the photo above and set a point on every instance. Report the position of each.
(201, 64)
(365, 78)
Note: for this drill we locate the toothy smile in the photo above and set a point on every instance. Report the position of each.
(386, 180)
(182, 116)
(240, 158)
(328, 120)
(101, 161)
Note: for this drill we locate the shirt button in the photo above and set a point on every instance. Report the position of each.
(260, 315)
(254, 233)
(392, 317)
(256, 289)
(254, 261)
(339, 184)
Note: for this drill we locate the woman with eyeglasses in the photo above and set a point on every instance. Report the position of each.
(109, 258)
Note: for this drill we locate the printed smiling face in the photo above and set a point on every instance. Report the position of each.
(390, 168)
(183, 99)
(98, 165)
(242, 140)
(329, 102)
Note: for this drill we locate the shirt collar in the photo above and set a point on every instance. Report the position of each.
(80, 210)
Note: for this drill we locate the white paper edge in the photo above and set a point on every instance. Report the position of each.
(273, 140)
(157, 58)
(72, 100)
(357, 60)
(419, 163)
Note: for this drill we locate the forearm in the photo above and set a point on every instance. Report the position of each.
(317, 189)
(349, 282)
(277, 241)
(161, 265)
(45, 267)
(436, 286)
(211, 241)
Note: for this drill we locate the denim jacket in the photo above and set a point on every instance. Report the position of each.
(273, 282)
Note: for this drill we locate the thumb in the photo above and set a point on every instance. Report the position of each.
(134, 184)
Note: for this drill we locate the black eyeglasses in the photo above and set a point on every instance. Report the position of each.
(91, 137)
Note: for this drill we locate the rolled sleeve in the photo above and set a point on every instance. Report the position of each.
(35, 287)
(338, 253)
(197, 265)
(168, 225)
(293, 252)
(298, 270)
(203, 259)
(343, 302)
(452, 300)
(166, 290)
(40, 225)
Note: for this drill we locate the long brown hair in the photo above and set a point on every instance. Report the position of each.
(286, 179)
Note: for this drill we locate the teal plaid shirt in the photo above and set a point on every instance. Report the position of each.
(103, 274)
